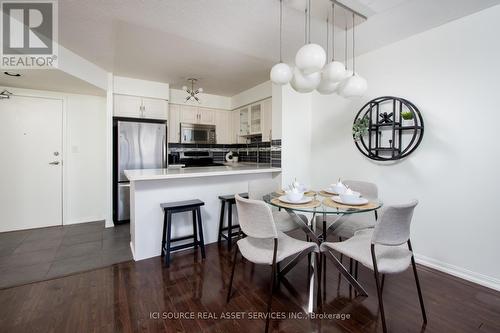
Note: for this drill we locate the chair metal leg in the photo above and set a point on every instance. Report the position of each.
(379, 291)
(420, 298)
(163, 235)
(232, 275)
(273, 274)
(221, 221)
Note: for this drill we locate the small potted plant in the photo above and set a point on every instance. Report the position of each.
(407, 118)
(360, 128)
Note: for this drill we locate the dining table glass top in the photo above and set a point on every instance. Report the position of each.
(324, 205)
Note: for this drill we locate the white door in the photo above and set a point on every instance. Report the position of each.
(31, 168)
(128, 106)
(155, 108)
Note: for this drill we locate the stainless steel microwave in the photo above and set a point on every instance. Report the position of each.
(196, 133)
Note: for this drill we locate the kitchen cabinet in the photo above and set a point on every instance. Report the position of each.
(196, 115)
(174, 124)
(255, 119)
(224, 126)
(267, 120)
(140, 107)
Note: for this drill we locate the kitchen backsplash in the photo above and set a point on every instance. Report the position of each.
(257, 152)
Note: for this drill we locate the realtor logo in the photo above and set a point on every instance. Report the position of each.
(29, 34)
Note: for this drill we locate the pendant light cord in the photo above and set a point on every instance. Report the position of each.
(309, 21)
(327, 38)
(353, 45)
(345, 48)
(281, 30)
(305, 26)
(333, 31)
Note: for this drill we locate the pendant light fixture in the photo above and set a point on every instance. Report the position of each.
(334, 71)
(353, 86)
(326, 86)
(311, 57)
(301, 82)
(281, 73)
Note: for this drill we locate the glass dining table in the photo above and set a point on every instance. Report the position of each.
(321, 205)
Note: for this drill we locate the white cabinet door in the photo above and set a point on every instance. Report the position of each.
(174, 124)
(244, 121)
(223, 126)
(127, 106)
(206, 116)
(189, 114)
(255, 118)
(235, 131)
(266, 118)
(154, 108)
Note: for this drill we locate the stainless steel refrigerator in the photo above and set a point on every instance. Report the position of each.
(137, 145)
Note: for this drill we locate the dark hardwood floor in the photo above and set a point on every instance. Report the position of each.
(128, 297)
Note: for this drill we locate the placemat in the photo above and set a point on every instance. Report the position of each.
(330, 203)
(325, 194)
(312, 204)
(307, 194)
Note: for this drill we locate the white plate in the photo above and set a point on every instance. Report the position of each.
(330, 191)
(353, 202)
(304, 200)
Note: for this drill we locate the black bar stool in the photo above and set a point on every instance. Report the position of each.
(170, 208)
(230, 200)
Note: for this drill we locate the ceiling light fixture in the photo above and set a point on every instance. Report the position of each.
(311, 57)
(12, 74)
(281, 73)
(192, 92)
(353, 86)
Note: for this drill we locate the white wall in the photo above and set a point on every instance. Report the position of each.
(85, 163)
(296, 136)
(452, 74)
(84, 154)
(254, 94)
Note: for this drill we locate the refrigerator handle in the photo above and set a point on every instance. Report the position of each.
(163, 153)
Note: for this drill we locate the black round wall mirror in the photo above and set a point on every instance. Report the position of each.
(388, 128)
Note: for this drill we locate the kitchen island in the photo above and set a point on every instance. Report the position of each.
(151, 187)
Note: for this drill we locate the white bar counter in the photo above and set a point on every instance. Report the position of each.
(151, 187)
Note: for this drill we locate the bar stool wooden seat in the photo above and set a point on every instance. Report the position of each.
(171, 208)
(230, 201)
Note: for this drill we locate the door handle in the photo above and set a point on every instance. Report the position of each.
(54, 163)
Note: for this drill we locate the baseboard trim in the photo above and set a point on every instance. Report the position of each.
(481, 279)
(85, 220)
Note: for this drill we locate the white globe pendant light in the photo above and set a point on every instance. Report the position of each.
(281, 73)
(334, 71)
(305, 83)
(310, 58)
(354, 85)
(327, 87)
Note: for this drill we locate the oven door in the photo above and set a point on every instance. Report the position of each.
(194, 135)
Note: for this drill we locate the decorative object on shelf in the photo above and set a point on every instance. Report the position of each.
(281, 73)
(311, 68)
(192, 92)
(388, 128)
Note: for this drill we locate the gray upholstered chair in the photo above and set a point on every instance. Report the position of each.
(257, 189)
(264, 243)
(354, 222)
(385, 249)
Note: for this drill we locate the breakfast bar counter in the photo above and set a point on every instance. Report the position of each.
(151, 187)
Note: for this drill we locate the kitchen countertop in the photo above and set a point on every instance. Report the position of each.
(175, 173)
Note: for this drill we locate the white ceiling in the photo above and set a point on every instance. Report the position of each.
(229, 44)
(51, 80)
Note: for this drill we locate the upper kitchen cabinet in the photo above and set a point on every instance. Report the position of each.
(266, 119)
(255, 119)
(140, 107)
(223, 126)
(174, 123)
(196, 115)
